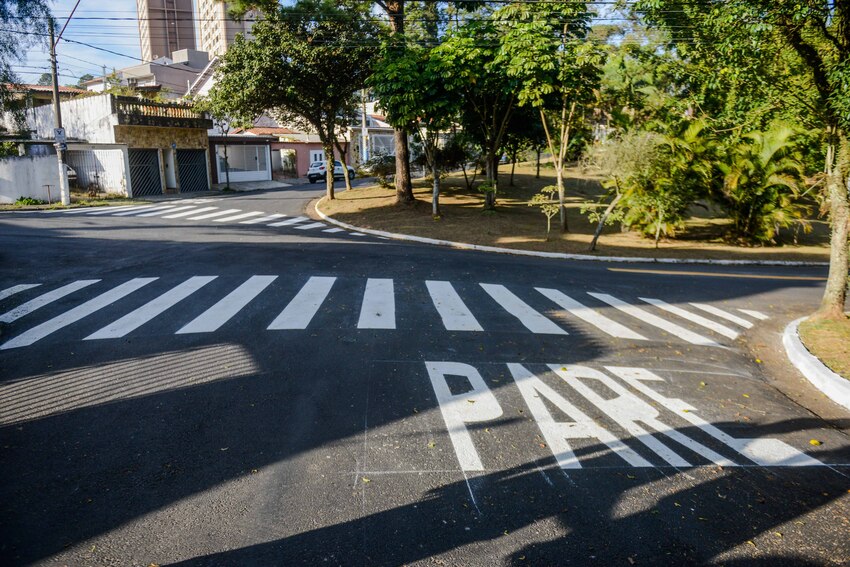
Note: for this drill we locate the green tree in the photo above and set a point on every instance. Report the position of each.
(817, 33)
(83, 79)
(762, 177)
(559, 70)
(23, 23)
(45, 80)
(305, 63)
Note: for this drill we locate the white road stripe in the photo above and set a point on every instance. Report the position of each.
(134, 210)
(107, 210)
(288, 222)
(754, 314)
(453, 311)
(654, 320)
(39, 332)
(305, 304)
(591, 316)
(693, 317)
(79, 210)
(378, 309)
(333, 230)
(159, 211)
(44, 299)
(194, 211)
(10, 291)
(138, 317)
(218, 214)
(310, 226)
(531, 319)
(723, 314)
(240, 216)
(357, 234)
(263, 219)
(174, 210)
(220, 313)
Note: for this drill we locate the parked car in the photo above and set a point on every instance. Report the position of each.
(317, 171)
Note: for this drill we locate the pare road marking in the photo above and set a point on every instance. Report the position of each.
(477, 404)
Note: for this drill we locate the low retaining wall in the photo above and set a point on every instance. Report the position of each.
(27, 177)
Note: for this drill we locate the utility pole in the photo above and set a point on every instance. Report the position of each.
(364, 133)
(59, 132)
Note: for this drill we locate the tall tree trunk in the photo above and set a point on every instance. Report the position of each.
(513, 168)
(838, 170)
(328, 147)
(403, 184)
(602, 220)
(435, 198)
(490, 168)
(343, 158)
(538, 164)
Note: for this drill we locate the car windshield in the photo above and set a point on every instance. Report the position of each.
(338, 164)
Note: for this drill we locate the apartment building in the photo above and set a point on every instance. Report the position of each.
(217, 30)
(165, 26)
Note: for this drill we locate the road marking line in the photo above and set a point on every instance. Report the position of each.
(531, 319)
(134, 210)
(453, 311)
(82, 210)
(334, 230)
(591, 316)
(288, 222)
(218, 214)
(717, 275)
(310, 226)
(723, 314)
(698, 319)
(190, 212)
(378, 309)
(135, 319)
(39, 332)
(10, 291)
(220, 313)
(44, 299)
(169, 211)
(159, 211)
(357, 234)
(556, 434)
(754, 314)
(268, 218)
(305, 304)
(107, 210)
(241, 216)
(654, 320)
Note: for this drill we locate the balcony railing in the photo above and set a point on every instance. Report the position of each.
(136, 112)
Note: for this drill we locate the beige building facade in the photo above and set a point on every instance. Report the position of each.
(217, 30)
(165, 26)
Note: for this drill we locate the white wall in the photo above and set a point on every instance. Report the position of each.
(27, 176)
(89, 119)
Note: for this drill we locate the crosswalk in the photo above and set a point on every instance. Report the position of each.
(293, 303)
(197, 210)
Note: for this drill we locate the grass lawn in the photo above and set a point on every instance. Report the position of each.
(516, 225)
(830, 342)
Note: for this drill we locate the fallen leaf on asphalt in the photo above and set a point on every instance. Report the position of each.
(749, 541)
(758, 361)
(702, 384)
(366, 480)
(778, 534)
(431, 445)
(471, 401)
(814, 442)
(746, 395)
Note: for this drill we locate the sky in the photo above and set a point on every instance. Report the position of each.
(120, 36)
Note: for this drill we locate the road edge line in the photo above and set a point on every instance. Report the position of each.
(834, 386)
(556, 255)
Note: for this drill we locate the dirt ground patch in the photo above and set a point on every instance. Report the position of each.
(516, 225)
(830, 342)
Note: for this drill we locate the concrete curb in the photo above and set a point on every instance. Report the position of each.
(824, 379)
(557, 255)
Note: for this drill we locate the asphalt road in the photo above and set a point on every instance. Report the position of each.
(221, 391)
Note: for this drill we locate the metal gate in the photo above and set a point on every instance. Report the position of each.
(144, 172)
(192, 171)
(102, 170)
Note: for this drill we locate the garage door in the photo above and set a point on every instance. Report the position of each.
(192, 170)
(144, 172)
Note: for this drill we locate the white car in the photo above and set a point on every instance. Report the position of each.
(317, 171)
